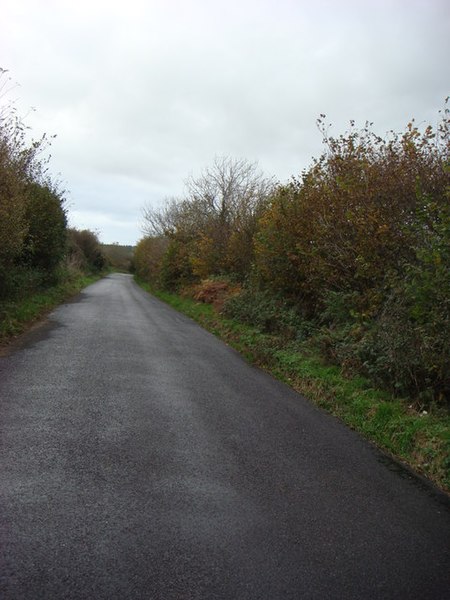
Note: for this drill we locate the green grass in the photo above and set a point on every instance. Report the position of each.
(16, 316)
(421, 440)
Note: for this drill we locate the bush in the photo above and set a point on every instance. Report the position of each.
(346, 223)
(269, 313)
(408, 347)
(45, 243)
(119, 257)
(32, 217)
(85, 251)
(147, 258)
(355, 251)
(176, 266)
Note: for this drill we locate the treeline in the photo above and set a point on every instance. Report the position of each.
(351, 258)
(119, 257)
(37, 249)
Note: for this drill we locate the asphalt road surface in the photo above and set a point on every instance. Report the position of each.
(142, 458)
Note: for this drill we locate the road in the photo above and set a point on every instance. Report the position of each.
(142, 458)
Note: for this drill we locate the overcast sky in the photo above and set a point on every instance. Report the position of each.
(143, 93)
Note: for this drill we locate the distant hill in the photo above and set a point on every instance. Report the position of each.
(119, 257)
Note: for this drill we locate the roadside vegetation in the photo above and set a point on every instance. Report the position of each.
(419, 438)
(119, 257)
(42, 261)
(338, 281)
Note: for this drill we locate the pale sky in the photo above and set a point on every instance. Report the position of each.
(143, 93)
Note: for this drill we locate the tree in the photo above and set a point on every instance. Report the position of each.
(213, 226)
(228, 198)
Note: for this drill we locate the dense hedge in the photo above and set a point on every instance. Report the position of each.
(352, 256)
(36, 249)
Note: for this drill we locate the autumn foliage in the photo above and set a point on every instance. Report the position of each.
(350, 220)
(360, 243)
(351, 256)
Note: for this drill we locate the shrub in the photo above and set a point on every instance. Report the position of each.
(269, 313)
(147, 258)
(215, 291)
(346, 223)
(32, 218)
(46, 239)
(408, 347)
(85, 251)
(176, 266)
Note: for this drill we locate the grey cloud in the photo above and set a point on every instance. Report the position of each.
(142, 93)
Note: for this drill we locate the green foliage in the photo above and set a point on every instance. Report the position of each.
(405, 346)
(12, 207)
(176, 266)
(32, 215)
(119, 257)
(13, 226)
(408, 346)
(17, 314)
(45, 242)
(85, 252)
(267, 312)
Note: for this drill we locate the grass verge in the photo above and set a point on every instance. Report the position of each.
(419, 439)
(16, 316)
